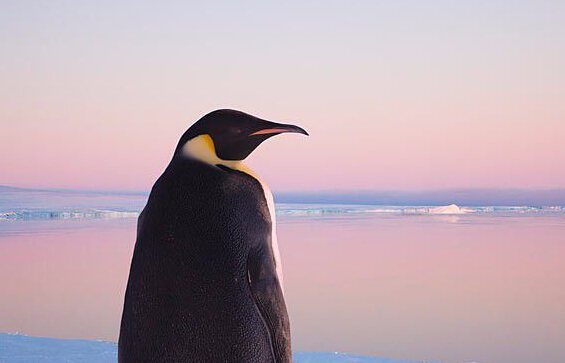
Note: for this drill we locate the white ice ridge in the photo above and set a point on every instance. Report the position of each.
(15, 348)
(333, 210)
(449, 209)
(66, 214)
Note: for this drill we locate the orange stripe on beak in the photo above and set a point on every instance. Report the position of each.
(269, 131)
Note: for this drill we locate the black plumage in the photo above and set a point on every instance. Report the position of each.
(203, 285)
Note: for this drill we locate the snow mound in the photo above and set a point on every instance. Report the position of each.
(448, 209)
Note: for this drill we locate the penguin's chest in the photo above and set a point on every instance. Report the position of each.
(259, 210)
(239, 175)
(251, 213)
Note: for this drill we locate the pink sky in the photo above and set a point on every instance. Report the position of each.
(394, 96)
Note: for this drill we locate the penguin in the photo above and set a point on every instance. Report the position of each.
(205, 282)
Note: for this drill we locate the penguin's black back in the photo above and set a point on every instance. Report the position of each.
(202, 285)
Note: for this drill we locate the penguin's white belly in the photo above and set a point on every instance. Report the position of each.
(271, 205)
(274, 242)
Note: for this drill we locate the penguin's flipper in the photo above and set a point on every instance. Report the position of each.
(269, 298)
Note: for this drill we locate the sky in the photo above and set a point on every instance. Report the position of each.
(396, 95)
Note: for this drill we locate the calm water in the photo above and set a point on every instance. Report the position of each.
(479, 287)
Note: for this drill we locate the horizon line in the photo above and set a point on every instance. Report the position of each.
(431, 197)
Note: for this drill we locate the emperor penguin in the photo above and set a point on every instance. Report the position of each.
(205, 283)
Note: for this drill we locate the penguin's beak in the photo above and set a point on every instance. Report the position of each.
(273, 128)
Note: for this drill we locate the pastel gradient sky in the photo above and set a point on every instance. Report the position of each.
(395, 94)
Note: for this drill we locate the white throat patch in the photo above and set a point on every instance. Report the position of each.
(202, 148)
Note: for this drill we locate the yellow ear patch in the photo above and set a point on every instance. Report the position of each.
(202, 148)
(209, 142)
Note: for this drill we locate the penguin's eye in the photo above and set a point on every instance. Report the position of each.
(235, 130)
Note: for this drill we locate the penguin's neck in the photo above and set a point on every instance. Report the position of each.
(202, 148)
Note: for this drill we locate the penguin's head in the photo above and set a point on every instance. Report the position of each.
(229, 135)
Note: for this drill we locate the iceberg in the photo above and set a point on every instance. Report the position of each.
(449, 209)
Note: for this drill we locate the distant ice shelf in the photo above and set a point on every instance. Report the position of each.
(49, 204)
(284, 211)
(321, 210)
(15, 348)
(16, 204)
(65, 214)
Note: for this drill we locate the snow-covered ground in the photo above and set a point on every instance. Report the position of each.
(23, 349)
(15, 348)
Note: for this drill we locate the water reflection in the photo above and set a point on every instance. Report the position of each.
(443, 288)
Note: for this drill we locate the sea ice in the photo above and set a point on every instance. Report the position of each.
(15, 348)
